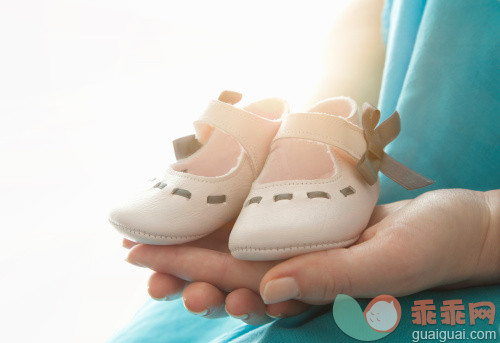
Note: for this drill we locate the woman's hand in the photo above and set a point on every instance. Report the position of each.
(441, 238)
(197, 270)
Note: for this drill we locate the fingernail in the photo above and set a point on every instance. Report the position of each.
(243, 316)
(277, 316)
(201, 314)
(135, 263)
(160, 299)
(279, 290)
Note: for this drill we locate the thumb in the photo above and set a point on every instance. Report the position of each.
(377, 266)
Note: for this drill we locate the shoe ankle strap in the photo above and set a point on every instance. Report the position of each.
(324, 128)
(254, 133)
(365, 144)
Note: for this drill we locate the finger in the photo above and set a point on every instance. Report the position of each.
(198, 264)
(127, 244)
(381, 265)
(247, 306)
(287, 308)
(165, 287)
(382, 211)
(205, 300)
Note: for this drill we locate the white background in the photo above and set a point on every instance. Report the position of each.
(91, 94)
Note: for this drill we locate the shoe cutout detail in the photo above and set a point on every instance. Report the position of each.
(216, 199)
(312, 195)
(254, 200)
(182, 192)
(347, 191)
(160, 185)
(285, 196)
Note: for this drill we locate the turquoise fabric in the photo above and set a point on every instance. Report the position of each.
(170, 322)
(442, 75)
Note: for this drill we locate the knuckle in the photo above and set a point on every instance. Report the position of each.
(334, 281)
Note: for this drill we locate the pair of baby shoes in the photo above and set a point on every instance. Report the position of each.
(296, 183)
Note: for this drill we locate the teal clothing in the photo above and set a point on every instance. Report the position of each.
(170, 322)
(442, 75)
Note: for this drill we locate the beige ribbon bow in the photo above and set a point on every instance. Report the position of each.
(375, 159)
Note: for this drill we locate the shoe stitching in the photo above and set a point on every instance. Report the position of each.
(298, 247)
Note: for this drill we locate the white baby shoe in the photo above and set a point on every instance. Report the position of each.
(208, 184)
(320, 183)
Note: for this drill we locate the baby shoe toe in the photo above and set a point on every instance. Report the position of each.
(159, 217)
(295, 223)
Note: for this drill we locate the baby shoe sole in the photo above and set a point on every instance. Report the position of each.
(271, 254)
(141, 236)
